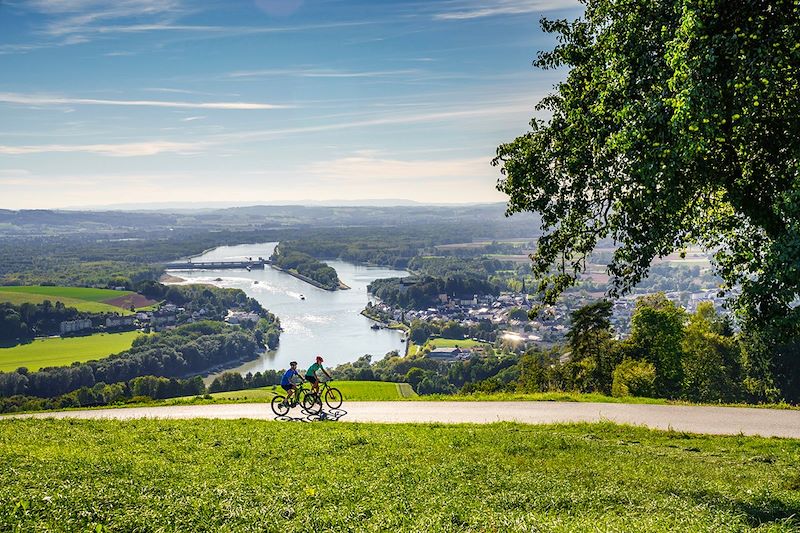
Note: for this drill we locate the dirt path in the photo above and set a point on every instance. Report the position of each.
(711, 420)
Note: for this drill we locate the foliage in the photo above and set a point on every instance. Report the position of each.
(634, 378)
(423, 292)
(19, 323)
(657, 333)
(304, 264)
(137, 390)
(712, 362)
(678, 125)
(187, 349)
(232, 381)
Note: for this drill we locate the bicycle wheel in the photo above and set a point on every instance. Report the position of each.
(312, 403)
(333, 397)
(279, 406)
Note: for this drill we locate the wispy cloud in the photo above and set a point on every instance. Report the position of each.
(135, 149)
(44, 100)
(473, 10)
(71, 17)
(495, 111)
(321, 73)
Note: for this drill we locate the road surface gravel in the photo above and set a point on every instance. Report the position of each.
(692, 419)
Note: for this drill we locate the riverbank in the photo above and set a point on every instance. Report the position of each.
(310, 281)
(167, 278)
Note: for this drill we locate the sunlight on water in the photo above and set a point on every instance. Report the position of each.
(326, 323)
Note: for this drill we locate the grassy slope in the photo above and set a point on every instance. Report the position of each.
(79, 293)
(239, 475)
(62, 352)
(461, 343)
(81, 298)
(80, 305)
(351, 390)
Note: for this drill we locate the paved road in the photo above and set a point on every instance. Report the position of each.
(711, 420)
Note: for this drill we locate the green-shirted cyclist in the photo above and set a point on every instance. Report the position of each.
(311, 374)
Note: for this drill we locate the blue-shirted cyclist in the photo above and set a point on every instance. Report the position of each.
(288, 381)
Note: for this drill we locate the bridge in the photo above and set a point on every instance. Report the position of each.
(218, 265)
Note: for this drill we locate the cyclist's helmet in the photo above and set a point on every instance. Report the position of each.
(293, 363)
(319, 359)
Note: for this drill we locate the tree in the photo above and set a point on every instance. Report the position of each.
(657, 330)
(712, 361)
(678, 125)
(592, 347)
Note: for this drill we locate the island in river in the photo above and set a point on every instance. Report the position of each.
(326, 323)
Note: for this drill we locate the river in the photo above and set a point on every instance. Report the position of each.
(326, 323)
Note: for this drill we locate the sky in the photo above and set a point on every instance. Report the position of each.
(264, 101)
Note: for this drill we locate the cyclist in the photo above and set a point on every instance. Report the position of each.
(288, 381)
(311, 374)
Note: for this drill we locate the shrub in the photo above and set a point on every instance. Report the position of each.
(633, 378)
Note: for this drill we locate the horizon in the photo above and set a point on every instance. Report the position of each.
(147, 101)
(166, 207)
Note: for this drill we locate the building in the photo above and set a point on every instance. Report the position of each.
(240, 317)
(449, 354)
(74, 326)
(119, 322)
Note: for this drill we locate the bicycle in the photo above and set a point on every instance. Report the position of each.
(302, 396)
(333, 396)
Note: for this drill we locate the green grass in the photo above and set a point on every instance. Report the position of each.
(381, 391)
(451, 343)
(351, 390)
(245, 475)
(78, 293)
(56, 351)
(82, 298)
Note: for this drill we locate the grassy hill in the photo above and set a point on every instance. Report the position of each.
(351, 390)
(245, 475)
(56, 351)
(82, 298)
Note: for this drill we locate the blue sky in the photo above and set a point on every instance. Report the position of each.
(259, 101)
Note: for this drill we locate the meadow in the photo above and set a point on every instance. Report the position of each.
(82, 298)
(357, 391)
(440, 342)
(58, 351)
(245, 475)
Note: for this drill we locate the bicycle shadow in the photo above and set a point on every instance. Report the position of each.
(330, 415)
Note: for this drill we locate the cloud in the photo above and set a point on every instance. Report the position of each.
(474, 10)
(519, 109)
(320, 73)
(134, 149)
(77, 16)
(37, 100)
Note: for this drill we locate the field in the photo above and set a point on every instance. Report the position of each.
(82, 298)
(57, 351)
(451, 343)
(244, 475)
(351, 390)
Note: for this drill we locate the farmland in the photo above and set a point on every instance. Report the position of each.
(245, 475)
(82, 298)
(57, 351)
